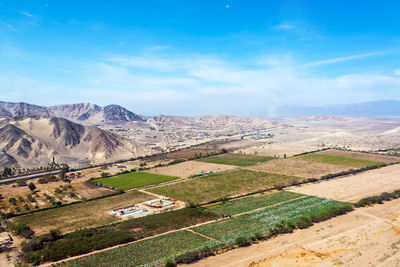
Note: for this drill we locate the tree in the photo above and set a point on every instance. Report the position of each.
(7, 172)
(104, 174)
(32, 186)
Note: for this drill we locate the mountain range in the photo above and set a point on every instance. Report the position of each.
(85, 113)
(365, 109)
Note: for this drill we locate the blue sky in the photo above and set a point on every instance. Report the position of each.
(199, 57)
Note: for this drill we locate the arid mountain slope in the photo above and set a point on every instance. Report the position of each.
(34, 141)
(84, 113)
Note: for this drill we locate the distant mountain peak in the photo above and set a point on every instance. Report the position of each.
(364, 109)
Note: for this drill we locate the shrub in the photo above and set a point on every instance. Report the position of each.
(259, 236)
(386, 196)
(242, 241)
(21, 182)
(13, 201)
(23, 230)
(304, 222)
(30, 198)
(104, 174)
(169, 263)
(43, 180)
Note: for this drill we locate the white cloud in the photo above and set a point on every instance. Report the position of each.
(285, 26)
(26, 13)
(343, 59)
(204, 84)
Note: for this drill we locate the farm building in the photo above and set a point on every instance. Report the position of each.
(129, 210)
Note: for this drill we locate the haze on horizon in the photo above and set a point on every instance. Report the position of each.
(199, 57)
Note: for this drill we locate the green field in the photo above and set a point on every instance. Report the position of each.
(340, 160)
(252, 203)
(224, 184)
(133, 180)
(86, 214)
(236, 159)
(150, 252)
(261, 221)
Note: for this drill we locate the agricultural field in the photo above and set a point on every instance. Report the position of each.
(359, 155)
(263, 220)
(299, 167)
(51, 194)
(353, 239)
(188, 168)
(236, 159)
(355, 187)
(86, 214)
(251, 203)
(150, 252)
(224, 184)
(133, 180)
(340, 160)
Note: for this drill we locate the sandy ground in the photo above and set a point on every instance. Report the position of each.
(359, 155)
(185, 169)
(365, 237)
(354, 187)
(279, 149)
(298, 167)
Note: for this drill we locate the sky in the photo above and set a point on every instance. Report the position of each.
(199, 57)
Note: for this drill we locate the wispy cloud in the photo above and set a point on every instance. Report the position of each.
(343, 59)
(25, 13)
(285, 26)
(11, 27)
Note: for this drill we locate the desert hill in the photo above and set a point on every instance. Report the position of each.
(34, 141)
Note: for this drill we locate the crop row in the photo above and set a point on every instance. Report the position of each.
(264, 220)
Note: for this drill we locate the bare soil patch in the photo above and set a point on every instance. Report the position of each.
(188, 168)
(354, 187)
(360, 155)
(298, 167)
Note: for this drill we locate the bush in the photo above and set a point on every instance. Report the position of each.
(104, 174)
(304, 222)
(242, 241)
(13, 201)
(259, 236)
(30, 198)
(43, 180)
(21, 182)
(169, 263)
(23, 230)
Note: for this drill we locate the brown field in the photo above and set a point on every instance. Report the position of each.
(81, 189)
(364, 237)
(87, 214)
(359, 155)
(354, 187)
(188, 168)
(298, 167)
